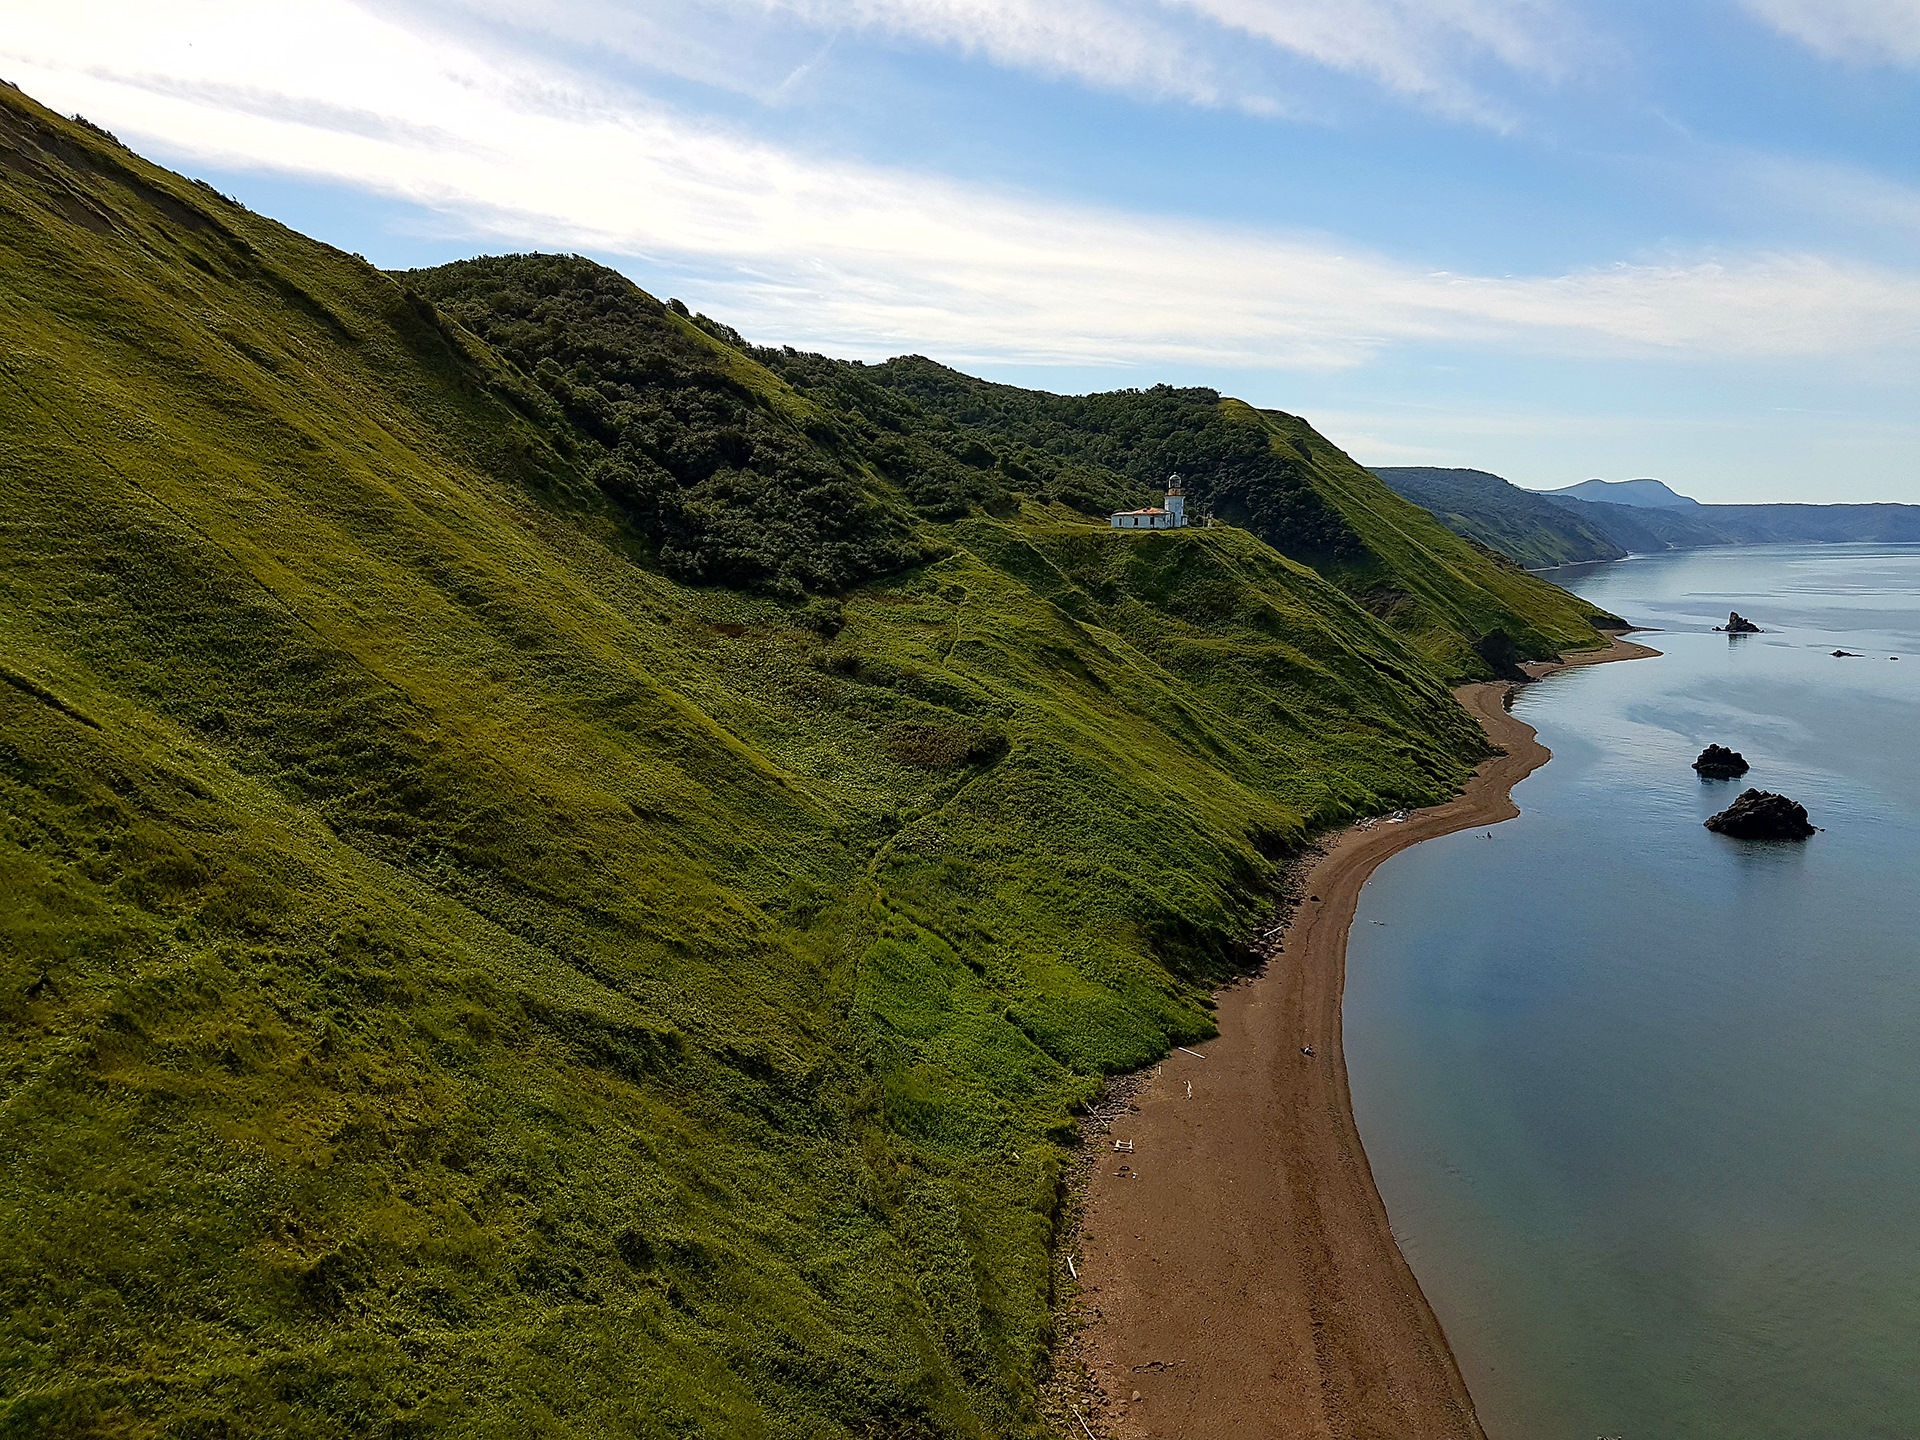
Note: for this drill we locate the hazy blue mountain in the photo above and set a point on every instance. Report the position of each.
(1644, 527)
(1641, 494)
(1603, 520)
(1524, 525)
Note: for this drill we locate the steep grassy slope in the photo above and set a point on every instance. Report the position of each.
(1522, 525)
(460, 977)
(1469, 611)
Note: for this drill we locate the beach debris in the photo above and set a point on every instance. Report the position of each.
(1124, 1147)
(1738, 624)
(1716, 762)
(1184, 1051)
(1762, 815)
(1070, 1270)
(1110, 1109)
(1306, 1049)
(1083, 1423)
(1189, 1089)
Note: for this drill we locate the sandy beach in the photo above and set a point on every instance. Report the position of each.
(1238, 1264)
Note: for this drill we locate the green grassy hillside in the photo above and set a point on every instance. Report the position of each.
(1521, 524)
(460, 974)
(1469, 610)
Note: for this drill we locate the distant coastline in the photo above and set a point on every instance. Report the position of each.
(1544, 531)
(1239, 1265)
(1548, 570)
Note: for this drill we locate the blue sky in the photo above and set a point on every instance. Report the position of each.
(1547, 238)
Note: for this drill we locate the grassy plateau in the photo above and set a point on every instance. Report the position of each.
(563, 875)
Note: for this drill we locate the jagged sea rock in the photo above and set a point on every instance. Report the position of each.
(1716, 762)
(1738, 624)
(1762, 815)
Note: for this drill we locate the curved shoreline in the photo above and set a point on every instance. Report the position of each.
(1242, 1274)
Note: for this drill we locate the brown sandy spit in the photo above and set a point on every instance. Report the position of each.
(1237, 1265)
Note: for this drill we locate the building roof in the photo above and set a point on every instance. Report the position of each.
(1155, 510)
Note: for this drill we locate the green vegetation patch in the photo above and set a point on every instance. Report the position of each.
(706, 458)
(463, 969)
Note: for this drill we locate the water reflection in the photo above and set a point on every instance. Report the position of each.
(1641, 1098)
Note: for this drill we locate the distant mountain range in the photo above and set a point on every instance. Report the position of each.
(1604, 520)
(1524, 525)
(1647, 494)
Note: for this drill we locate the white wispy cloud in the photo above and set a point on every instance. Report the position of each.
(1871, 31)
(1422, 49)
(1851, 196)
(1230, 53)
(855, 258)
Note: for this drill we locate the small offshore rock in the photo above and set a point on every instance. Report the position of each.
(1738, 624)
(1716, 762)
(1762, 815)
(1848, 655)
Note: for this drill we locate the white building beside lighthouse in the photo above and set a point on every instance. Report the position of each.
(1172, 516)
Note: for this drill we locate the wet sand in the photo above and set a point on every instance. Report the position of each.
(1241, 1273)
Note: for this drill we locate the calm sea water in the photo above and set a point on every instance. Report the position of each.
(1644, 1102)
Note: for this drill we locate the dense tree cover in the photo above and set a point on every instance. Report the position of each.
(1229, 466)
(946, 463)
(728, 487)
(734, 487)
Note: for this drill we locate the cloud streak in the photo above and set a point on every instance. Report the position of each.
(1223, 53)
(1882, 32)
(859, 259)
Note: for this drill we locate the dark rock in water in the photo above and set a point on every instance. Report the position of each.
(1848, 655)
(1761, 815)
(1716, 762)
(1738, 624)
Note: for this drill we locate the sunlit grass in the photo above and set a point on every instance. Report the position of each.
(458, 979)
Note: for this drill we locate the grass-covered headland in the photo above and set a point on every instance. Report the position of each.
(561, 875)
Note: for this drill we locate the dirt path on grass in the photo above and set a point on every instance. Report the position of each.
(1241, 1274)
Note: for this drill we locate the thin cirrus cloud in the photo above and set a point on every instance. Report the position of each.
(1421, 49)
(758, 47)
(1224, 53)
(1883, 32)
(861, 259)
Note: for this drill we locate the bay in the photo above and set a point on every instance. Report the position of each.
(1644, 1101)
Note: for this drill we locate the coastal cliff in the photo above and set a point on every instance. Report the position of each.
(563, 867)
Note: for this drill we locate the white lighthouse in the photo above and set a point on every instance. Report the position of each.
(1171, 516)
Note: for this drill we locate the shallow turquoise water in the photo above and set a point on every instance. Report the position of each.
(1644, 1102)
